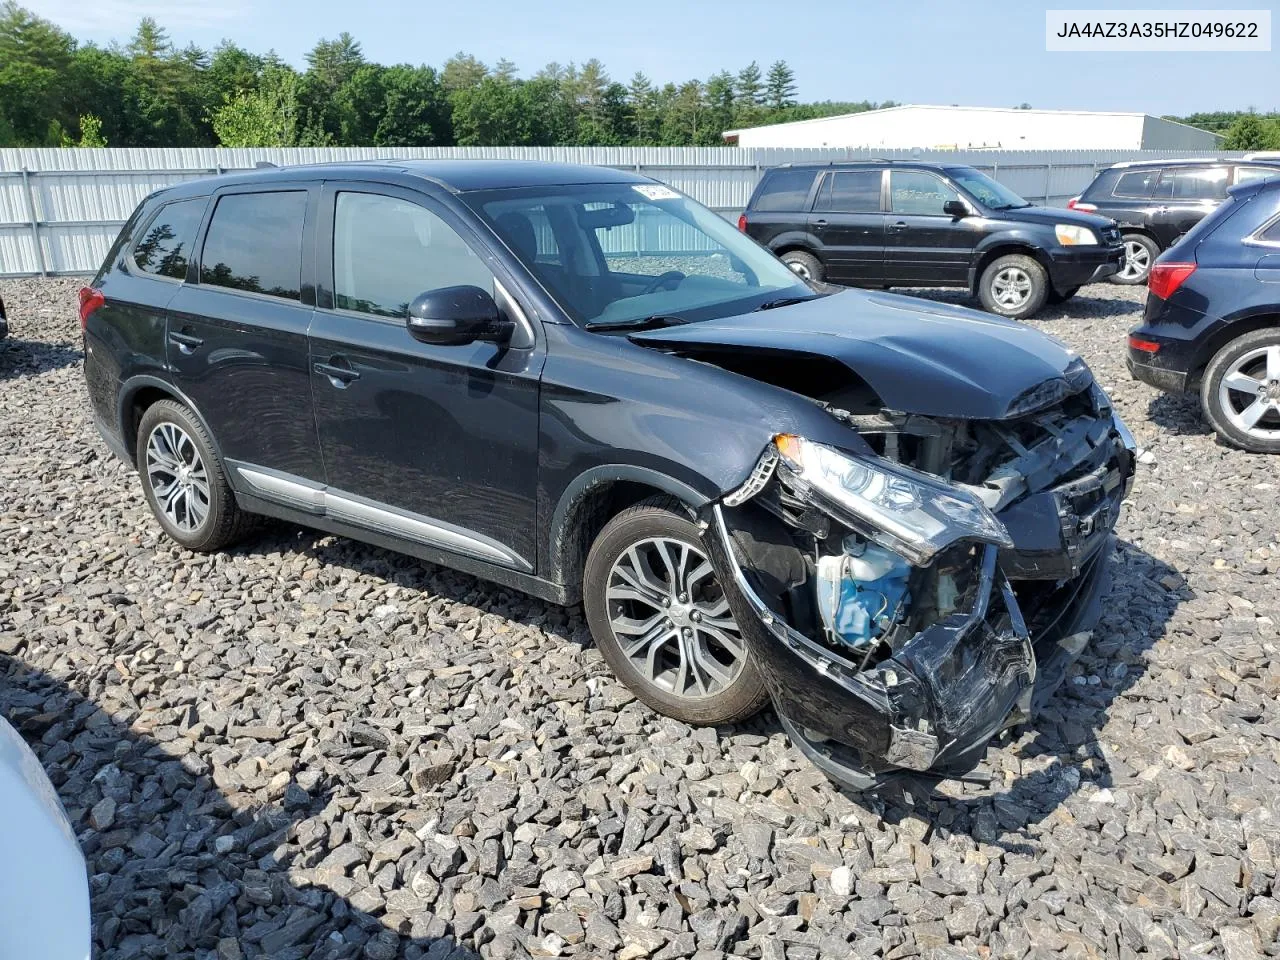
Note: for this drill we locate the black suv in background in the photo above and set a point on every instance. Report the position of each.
(1156, 201)
(892, 517)
(908, 224)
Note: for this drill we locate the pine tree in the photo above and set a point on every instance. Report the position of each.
(780, 86)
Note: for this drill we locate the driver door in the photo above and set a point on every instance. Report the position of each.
(430, 443)
(925, 246)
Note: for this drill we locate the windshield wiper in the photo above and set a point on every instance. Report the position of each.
(636, 323)
(785, 302)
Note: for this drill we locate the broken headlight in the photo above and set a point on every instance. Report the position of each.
(901, 509)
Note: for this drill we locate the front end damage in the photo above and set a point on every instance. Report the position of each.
(908, 600)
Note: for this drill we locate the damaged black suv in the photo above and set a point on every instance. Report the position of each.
(892, 518)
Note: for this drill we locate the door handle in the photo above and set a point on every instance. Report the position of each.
(185, 343)
(896, 227)
(819, 223)
(339, 376)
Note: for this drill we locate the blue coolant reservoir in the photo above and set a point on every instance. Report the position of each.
(859, 593)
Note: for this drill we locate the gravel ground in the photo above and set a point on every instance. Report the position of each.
(310, 747)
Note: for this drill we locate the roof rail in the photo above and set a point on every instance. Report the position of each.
(264, 165)
(1158, 162)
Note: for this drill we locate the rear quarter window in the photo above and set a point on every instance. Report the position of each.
(785, 190)
(1136, 184)
(164, 247)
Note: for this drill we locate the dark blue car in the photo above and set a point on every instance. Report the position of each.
(1212, 321)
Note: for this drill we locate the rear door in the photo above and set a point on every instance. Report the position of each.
(923, 245)
(237, 339)
(1184, 196)
(848, 222)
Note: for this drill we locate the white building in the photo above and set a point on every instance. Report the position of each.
(976, 128)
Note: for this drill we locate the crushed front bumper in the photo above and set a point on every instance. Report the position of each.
(935, 704)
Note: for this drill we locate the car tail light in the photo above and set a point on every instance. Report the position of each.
(1165, 278)
(1075, 204)
(91, 299)
(742, 222)
(1146, 346)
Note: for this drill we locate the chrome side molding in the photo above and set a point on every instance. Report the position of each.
(318, 500)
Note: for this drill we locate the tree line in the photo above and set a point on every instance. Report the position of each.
(146, 92)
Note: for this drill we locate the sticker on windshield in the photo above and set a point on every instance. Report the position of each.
(656, 191)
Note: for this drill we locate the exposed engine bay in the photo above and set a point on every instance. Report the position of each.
(907, 605)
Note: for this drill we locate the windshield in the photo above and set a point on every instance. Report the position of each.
(994, 196)
(619, 252)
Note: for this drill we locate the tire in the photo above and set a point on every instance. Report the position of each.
(203, 517)
(1056, 297)
(1025, 280)
(1253, 357)
(1140, 252)
(663, 674)
(805, 265)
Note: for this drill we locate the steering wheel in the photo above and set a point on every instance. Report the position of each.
(668, 281)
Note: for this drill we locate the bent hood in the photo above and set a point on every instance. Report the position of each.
(918, 356)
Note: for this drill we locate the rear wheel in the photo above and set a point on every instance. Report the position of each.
(804, 265)
(1014, 286)
(183, 480)
(1140, 252)
(662, 621)
(1240, 392)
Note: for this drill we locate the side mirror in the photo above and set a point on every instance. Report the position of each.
(452, 316)
(955, 208)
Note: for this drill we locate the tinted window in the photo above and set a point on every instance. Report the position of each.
(1137, 184)
(1192, 183)
(166, 246)
(852, 192)
(1271, 233)
(914, 192)
(1245, 174)
(386, 251)
(255, 243)
(785, 190)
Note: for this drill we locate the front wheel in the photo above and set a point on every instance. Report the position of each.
(1014, 286)
(662, 621)
(1240, 392)
(1140, 252)
(804, 265)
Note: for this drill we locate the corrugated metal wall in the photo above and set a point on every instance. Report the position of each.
(61, 208)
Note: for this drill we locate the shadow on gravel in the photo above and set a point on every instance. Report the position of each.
(26, 358)
(182, 866)
(1029, 780)
(1179, 413)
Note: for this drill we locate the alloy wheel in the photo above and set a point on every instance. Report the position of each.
(178, 477)
(1011, 288)
(1249, 393)
(672, 619)
(1137, 261)
(800, 270)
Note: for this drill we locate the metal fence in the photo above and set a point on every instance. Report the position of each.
(61, 208)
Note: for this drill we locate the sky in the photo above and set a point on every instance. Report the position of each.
(971, 52)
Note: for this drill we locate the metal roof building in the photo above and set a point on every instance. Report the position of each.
(981, 128)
